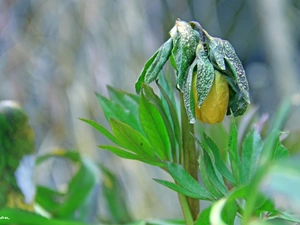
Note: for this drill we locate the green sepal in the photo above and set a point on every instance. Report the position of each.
(205, 75)
(154, 65)
(188, 97)
(224, 58)
(185, 41)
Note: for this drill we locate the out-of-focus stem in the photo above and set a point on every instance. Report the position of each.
(186, 210)
(189, 161)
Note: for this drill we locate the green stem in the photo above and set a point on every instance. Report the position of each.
(186, 210)
(189, 154)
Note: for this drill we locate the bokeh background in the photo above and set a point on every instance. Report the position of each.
(55, 54)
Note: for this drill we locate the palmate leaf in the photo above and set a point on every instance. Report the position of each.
(185, 41)
(154, 65)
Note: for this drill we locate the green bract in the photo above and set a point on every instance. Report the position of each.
(196, 56)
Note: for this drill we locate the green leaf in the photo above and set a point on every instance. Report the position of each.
(251, 150)
(156, 101)
(154, 127)
(213, 183)
(280, 151)
(20, 217)
(154, 65)
(69, 154)
(125, 100)
(282, 184)
(115, 198)
(113, 110)
(185, 41)
(101, 129)
(128, 155)
(174, 121)
(132, 140)
(79, 188)
(186, 180)
(220, 165)
(281, 115)
(203, 218)
(234, 152)
(180, 189)
(48, 199)
(264, 164)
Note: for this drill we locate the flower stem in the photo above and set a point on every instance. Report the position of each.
(186, 210)
(189, 155)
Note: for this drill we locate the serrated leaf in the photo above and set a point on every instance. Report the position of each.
(220, 165)
(280, 152)
(130, 139)
(251, 150)
(154, 65)
(233, 150)
(101, 129)
(154, 127)
(186, 180)
(113, 110)
(185, 41)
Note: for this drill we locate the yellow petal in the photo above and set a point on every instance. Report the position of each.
(214, 107)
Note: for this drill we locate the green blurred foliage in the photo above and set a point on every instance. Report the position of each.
(54, 54)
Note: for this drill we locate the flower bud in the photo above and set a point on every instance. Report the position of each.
(214, 107)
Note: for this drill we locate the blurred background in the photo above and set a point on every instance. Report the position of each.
(55, 54)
